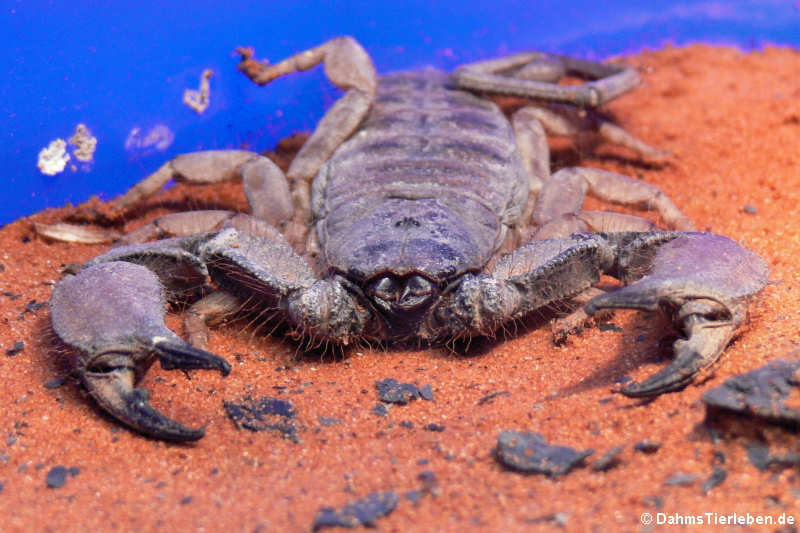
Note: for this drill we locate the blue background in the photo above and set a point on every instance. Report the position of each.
(119, 65)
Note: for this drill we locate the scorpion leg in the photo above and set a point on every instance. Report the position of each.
(349, 67)
(702, 281)
(566, 121)
(558, 204)
(265, 186)
(112, 313)
(507, 75)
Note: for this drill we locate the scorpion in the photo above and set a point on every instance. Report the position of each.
(415, 212)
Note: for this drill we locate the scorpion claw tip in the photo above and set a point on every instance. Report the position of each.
(131, 406)
(177, 354)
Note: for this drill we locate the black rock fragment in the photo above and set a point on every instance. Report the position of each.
(57, 476)
(489, 397)
(364, 512)
(760, 457)
(647, 446)
(392, 391)
(264, 414)
(16, 348)
(680, 479)
(529, 452)
(718, 475)
(761, 393)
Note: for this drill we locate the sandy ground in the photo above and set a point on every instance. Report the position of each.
(732, 123)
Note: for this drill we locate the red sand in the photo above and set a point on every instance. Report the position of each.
(732, 123)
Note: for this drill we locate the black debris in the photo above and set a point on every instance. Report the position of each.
(363, 512)
(264, 414)
(750, 209)
(186, 500)
(529, 452)
(647, 446)
(57, 477)
(16, 348)
(327, 421)
(489, 397)
(760, 393)
(760, 457)
(31, 307)
(558, 519)
(11, 295)
(391, 391)
(426, 392)
(428, 480)
(608, 460)
(55, 383)
(717, 476)
(608, 326)
(680, 479)
(407, 424)
(433, 427)
(1, 486)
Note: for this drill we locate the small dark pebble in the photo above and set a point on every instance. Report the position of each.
(57, 477)
(433, 427)
(426, 392)
(1, 486)
(12, 440)
(647, 446)
(406, 424)
(186, 500)
(264, 414)
(680, 479)
(608, 326)
(380, 409)
(489, 397)
(656, 502)
(716, 478)
(364, 512)
(760, 393)
(559, 519)
(392, 391)
(759, 456)
(16, 348)
(750, 209)
(327, 422)
(529, 452)
(428, 480)
(11, 295)
(55, 383)
(31, 307)
(608, 460)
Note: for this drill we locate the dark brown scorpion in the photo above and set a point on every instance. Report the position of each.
(415, 212)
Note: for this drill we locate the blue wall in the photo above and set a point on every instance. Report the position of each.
(116, 66)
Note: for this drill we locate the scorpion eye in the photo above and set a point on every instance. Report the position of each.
(386, 288)
(416, 292)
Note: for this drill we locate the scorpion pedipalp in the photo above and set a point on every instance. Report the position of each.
(703, 282)
(113, 315)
